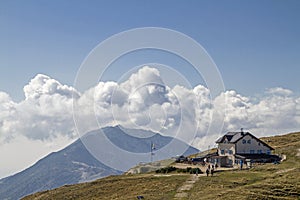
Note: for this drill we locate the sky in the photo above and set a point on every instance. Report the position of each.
(254, 44)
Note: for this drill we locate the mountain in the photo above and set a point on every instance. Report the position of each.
(75, 164)
(125, 148)
(71, 165)
(263, 181)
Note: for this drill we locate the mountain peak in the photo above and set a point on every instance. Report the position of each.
(75, 164)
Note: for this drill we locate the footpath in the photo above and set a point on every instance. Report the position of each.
(182, 192)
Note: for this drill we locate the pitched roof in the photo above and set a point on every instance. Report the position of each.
(231, 137)
(234, 137)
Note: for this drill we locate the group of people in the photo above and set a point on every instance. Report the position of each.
(210, 169)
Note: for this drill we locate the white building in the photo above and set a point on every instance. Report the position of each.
(236, 146)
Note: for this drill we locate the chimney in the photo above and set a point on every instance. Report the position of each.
(242, 131)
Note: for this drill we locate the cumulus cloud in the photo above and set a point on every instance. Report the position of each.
(143, 101)
(45, 113)
(43, 85)
(279, 91)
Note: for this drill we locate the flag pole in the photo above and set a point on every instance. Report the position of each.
(152, 148)
(151, 159)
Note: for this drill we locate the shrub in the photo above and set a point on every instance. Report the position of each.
(190, 170)
(195, 170)
(166, 170)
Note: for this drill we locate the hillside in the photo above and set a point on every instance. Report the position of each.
(267, 181)
(74, 164)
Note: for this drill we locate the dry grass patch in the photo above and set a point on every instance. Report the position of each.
(118, 187)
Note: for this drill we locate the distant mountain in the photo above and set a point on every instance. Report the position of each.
(75, 164)
(269, 181)
(71, 165)
(136, 142)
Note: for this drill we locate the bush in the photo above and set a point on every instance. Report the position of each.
(190, 170)
(166, 170)
(181, 170)
(195, 170)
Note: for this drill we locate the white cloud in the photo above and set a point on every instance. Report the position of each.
(45, 113)
(275, 114)
(43, 85)
(142, 101)
(279, 91)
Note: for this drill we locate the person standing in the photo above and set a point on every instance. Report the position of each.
(207, 172)
(241, 164)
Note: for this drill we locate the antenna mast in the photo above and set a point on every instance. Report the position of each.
(152, 148)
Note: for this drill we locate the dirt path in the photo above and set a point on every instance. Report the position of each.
(202, 168)
(182, 192)
(284, 171)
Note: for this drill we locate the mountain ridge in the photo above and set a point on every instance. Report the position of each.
(75, 164)
(263, 181)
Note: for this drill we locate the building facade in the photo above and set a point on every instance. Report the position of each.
(235, 147)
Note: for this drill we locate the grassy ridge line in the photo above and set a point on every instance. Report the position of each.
(262, 182)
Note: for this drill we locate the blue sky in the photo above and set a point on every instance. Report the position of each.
(255, 44)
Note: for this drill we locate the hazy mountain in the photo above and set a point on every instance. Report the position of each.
(74, 164)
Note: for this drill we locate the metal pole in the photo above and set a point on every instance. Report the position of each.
(151, 159)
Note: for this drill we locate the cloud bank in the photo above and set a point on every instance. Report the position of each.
(142, 101)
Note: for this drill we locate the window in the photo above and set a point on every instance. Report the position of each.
(222, 152)
(230, 152)
(249, 141)
(244, 141)
(259, 151)
(268, 152)
(259, 144)
(252, 151)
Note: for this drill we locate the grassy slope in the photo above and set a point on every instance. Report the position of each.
(118, 187)
(262, 182)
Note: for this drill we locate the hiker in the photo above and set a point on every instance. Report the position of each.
(207, 172)
(197, 172)
(212, 171)
(212, 166)
(216, 166)
(241, 164)
(208, 166)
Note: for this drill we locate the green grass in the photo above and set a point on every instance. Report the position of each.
(268, 181)
(248, 184)
(118, 187)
